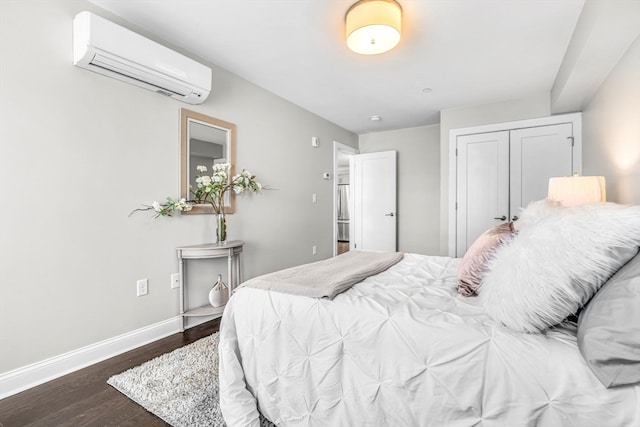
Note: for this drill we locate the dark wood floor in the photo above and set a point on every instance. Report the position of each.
(83, 398)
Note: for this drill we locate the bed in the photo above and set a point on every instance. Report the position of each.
(404, 347)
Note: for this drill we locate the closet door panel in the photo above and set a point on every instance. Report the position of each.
(537, 154)
(482, 185)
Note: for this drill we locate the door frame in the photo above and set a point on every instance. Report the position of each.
(339, 147)
(574, 118)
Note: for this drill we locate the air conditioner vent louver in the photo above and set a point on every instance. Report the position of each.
(140, 74)
(106, 48)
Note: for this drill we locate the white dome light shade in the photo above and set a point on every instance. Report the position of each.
(373, 26)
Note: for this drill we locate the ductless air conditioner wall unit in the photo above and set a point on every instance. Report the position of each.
(104, 47)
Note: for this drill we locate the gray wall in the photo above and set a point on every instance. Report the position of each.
(79, 151)
(418, 184)
(611, 130)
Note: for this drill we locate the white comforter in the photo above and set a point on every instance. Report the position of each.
(402, 348)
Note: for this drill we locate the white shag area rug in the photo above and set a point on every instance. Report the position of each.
(181, 387)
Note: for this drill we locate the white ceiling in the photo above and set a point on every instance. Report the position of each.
(466, 51)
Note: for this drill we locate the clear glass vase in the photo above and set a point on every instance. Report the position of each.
(221, 229)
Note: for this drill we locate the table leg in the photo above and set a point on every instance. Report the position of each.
(181, 274)
(230, 271)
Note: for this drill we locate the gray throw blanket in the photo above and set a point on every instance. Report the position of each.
(329, 277)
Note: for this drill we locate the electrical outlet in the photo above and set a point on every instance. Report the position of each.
(314, 249)
(175, 280)
(314, 198)
(142, 287)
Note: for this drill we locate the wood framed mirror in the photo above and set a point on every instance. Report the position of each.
(204, 140)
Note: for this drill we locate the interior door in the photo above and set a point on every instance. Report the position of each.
(482, 175)
(373, 177)
(537, 154)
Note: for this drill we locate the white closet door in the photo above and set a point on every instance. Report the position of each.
(537, 154)
(482, 185)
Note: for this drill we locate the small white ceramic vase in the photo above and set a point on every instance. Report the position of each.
(219, 294)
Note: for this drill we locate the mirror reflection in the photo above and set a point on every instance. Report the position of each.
(204, 141)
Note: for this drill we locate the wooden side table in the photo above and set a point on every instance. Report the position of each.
(232, 250)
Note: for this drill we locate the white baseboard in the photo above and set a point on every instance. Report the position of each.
(20, 379)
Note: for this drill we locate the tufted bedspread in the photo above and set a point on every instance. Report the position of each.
(402, 348)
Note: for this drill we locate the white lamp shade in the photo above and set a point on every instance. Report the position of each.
(577, 190)
(373, 26)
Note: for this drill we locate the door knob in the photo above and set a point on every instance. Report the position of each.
(389, 214)
(514, 218)
(502, 218)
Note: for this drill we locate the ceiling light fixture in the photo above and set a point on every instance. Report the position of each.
(375, 118)
(373, 26)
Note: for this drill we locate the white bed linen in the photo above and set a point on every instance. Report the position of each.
(402, 348)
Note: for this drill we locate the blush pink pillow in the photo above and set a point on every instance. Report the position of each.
(474, 262)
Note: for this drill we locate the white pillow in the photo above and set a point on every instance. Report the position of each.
(536, 211)
(554, 265)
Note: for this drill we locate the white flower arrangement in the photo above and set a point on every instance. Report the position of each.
(210, 189)
(165, 209)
